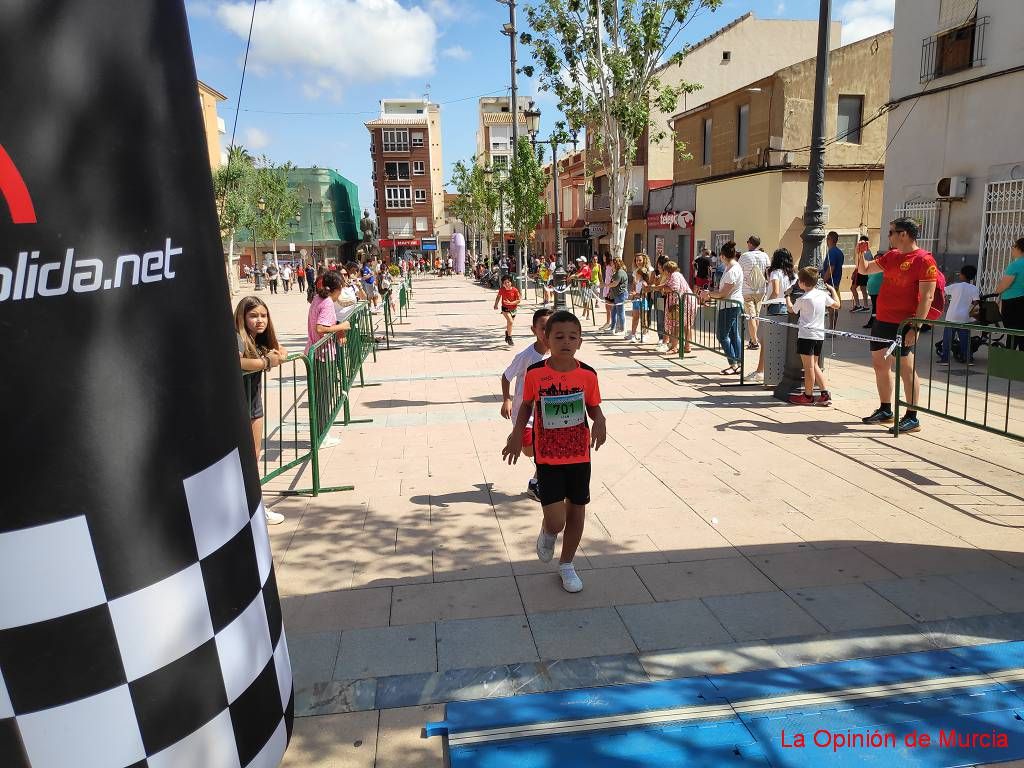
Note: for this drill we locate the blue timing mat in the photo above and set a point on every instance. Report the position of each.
(956, 707)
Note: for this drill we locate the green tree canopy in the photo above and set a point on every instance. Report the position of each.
(601, 58)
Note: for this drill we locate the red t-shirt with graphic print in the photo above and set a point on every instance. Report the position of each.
(510, 297)
(561, 432)
(900, 291)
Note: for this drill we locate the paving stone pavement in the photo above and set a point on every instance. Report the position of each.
(727, 531)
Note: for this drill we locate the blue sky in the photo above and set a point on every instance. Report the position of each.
(318, 68)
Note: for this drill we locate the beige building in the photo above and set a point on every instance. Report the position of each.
(494, 129)
(405, 146)
(749, 151)
(956, 159)
(213, 124)
(745, 50)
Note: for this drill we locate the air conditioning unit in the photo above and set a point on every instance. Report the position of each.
(951, 188)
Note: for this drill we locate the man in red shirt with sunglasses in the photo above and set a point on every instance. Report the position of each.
(907, 292)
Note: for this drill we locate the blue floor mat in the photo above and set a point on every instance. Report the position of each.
(967, 702)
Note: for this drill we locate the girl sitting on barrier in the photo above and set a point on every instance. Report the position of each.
(258, 351)
(322, 318)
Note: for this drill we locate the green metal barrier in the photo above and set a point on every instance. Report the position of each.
(974, 394)
(302, 398)
(704, 331)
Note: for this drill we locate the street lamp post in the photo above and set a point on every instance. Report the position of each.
(510, 30)
(533, 126)
(261, 205)
(814, 213)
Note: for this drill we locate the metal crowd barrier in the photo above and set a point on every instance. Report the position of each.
(302, 399)
(705, 328)
(980, 395)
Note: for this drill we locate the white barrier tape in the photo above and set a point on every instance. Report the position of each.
(841, 334)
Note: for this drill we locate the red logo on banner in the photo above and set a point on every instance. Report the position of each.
(13, 188)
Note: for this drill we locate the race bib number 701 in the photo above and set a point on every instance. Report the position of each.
(561, 411)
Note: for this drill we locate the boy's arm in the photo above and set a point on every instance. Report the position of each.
(599, 428)
(506, 398)
(835, 296)
(497, 298)
(514, 445)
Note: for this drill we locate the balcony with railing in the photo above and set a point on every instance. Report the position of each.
(601, 202)
(954, 50)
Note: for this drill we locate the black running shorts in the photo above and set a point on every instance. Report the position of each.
(883, 330)
(559, 482)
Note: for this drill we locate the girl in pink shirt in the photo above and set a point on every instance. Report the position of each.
(322, 318)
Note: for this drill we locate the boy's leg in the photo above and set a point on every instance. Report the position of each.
(819, 376)
(810, 363)
(554, 518)
(575, 517)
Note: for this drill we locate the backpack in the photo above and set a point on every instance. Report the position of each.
(939, 299)
(757, 279)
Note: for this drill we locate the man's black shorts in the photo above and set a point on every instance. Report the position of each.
(883, 330)
(809, 347)
(559, 482)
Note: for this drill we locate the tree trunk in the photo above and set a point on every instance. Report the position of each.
(276, 265)
(232, 268)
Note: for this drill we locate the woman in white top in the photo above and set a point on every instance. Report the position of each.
(781, 277)
(729, 289)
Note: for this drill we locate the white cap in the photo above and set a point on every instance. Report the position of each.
(580, 258)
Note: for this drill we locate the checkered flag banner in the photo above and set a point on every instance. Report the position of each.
(140, 623)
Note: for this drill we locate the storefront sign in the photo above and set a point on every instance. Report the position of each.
(385, 243)
(598, 230)
(670, 220)
(659, 246)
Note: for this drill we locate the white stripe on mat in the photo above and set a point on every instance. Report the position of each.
(750, 706)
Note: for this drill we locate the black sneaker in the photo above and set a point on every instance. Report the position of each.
(880, 416)
(907, 424)
(533, 490)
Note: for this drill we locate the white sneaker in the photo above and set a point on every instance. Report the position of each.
(662, 347)
(571, 582)
(274, 518)
(545, 545)
(754, 377)
(638, 339)
(628, 337)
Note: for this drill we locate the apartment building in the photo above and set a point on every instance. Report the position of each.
(572, 198)
(494, 129)
(956, 155)
(408, 186)
(213, 124)
(742, 51)
(749, 151)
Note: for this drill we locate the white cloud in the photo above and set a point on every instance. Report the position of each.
(198, 10)
(864, 18)
(355, 39)
(442, 9)
(255, 139)
(456, 52)
(780, 9)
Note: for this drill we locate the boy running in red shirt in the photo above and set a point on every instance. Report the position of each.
(560, 393)
(508, 296)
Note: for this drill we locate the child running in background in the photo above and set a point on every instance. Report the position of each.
(639, 298)
(560, 393)
(258, 350)
(811, 308)
(516, 372)
(508, 296)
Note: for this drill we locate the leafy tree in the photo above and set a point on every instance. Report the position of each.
(524, 189)
(601, 58)
(232, 184)
(280, 204)
(478, 199)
